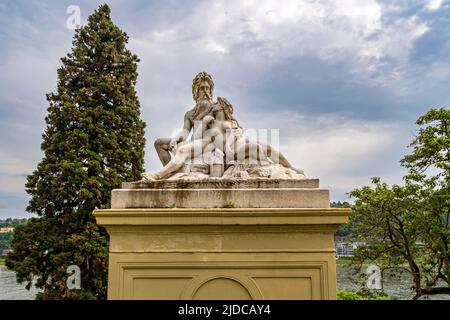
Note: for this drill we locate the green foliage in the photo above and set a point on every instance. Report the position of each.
(5, 238)
(431, 146)
(348, 295)
(5, 241)
(429, 171)
(340, 204)
(373, 294)
(366, 295)
(407, 227)
(343, 230)
(94, 140)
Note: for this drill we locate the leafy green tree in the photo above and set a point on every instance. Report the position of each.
(384, 219)
(429, 170)
(94, 140)
(407, 227)
(431, 147)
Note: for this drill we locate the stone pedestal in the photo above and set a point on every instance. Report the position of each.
(215, 239)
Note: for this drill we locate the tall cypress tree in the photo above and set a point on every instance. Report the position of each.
(94, 140)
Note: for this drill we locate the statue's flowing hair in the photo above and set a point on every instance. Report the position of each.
(202, 76)
(227, 108)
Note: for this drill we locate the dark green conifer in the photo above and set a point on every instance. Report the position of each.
(94, 140)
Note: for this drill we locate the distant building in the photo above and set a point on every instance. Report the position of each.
(6, 230)
(345, 249)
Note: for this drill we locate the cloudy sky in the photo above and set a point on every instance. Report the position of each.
(342, 80)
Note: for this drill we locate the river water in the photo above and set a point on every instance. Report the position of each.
(395, 287)
(398, 287)
(10, 290)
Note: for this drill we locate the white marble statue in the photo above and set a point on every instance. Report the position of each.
(211, 144)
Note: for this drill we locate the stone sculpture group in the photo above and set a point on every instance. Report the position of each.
(211, 144)
(227, 217)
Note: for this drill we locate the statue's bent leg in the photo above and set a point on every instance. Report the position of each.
(181, 155)
(162, 148)
(184, 153)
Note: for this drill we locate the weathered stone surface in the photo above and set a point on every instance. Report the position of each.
(221, 183)
(220, 198)
(217, 139)
(220, 193)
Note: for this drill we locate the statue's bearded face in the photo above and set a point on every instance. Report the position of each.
(204, 91)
